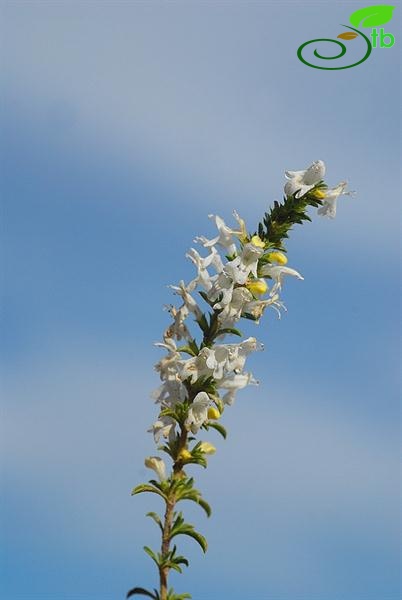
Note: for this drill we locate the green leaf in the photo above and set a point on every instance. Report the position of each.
(229, 330)
(181, 560)
(195, 535)
(156, 518)
(372, 16)
(187, 349)
(173, 596)
(249, 316)
(145, 487)
(152, 555)
(141, 592)
(179, 527)
(219, 428)
(203, 323)
(204, 504)
(204, 295)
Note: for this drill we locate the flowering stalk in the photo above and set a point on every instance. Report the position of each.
(200, 374)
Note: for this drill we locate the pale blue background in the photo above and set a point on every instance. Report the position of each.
(123, 125)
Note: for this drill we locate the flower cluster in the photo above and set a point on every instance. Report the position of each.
(238, 275)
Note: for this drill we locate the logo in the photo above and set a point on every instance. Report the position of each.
(371, 17)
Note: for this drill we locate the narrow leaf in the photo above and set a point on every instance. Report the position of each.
(228, 330)
(140, 592)
(196, 536)
(219, 428)
(144, 487)
(156, 518)
(152, 554)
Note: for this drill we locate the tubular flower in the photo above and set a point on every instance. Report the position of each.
(156, 464)
(198, 412)
(303, 181)
(277, 272)
(328, 209)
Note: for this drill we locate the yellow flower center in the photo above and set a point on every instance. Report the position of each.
(278, 257)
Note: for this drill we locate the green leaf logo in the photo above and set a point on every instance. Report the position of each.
(372, 16)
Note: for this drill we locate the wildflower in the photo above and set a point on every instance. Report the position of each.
(302, 181)
(184, 291)
(198, 412)
(178, 328)
(202, 264)
(277, 272)
(233, 383)
(328, 209)
(164, 426)
(158, 465)
(225, 235)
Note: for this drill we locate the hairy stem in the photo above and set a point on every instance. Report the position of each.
(164, 571)
(168, 518)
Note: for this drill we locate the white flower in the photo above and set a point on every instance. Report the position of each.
(170, 392)
(202, 264)
(277, 272)
(238, 353)
(184, 291)
(225, 235)
(168, 366)
(302, 181)
(328, 209)
(195, 367)
(256, 308)
(233, 310)
(234, 382)
(156, 464)
(216, 360)
(240, 268)
(198, 412)
(178, 328)
(223, 285)
(164, 426)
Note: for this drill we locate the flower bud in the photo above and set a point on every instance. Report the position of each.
(257, 286)
(257, 241)
(207, 448)
(319, 194)
(184, 455)
(213, 413)
(278, 257)
(156, 464)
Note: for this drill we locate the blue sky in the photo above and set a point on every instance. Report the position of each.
(123, 125)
